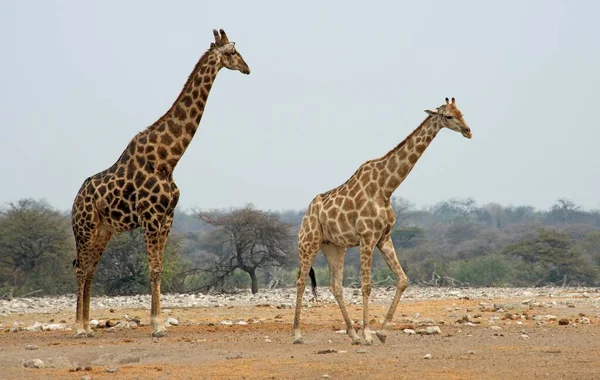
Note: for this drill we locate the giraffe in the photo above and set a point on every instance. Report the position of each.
(138, 190)
(359, 213)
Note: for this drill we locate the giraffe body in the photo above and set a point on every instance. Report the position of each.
(359, 213)
(138, 190)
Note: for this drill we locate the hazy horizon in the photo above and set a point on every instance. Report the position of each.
(332, 85)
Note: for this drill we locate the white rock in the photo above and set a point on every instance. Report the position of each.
(241, 322)
(427, 356)
(584, 320)
(340, 331)
(54, 326)
(33, 363)
(496, 328)
(524, 336)
(172, 321)
(409, 331)
(15, 327)
(430, 330)
(37, 326)
(226, 322)
(94, 323)
(325, 376)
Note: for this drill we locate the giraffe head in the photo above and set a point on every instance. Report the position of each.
(450, 117)
(227, 53)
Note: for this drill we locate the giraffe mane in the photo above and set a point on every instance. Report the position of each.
(200, 62)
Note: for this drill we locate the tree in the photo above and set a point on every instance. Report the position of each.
(35, 247)
(407, 237)
(563, 210)
(123, 268)
(557, 254)
(246, 239)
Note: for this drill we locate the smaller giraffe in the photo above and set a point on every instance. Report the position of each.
(359, 213)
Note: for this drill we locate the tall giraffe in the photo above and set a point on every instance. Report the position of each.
(359, 213)
(138, 190)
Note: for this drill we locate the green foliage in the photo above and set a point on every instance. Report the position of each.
(246, 239)
(556, 253)
(408, 237)
(35, 248)
(488, 270)
(123, 268)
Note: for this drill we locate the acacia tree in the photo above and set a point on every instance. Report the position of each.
(123, 268)
(35, 247)
(246, 239)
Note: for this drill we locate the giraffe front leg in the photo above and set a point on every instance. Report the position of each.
(335, 260)
(366, 255)
(158, 325)
(389, 254)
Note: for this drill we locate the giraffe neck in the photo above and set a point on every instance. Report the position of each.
(162, 144)
(398, 162)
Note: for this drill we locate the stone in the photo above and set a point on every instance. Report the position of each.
(563, 322)
(37, 326)
(31, 347)
(85, 377)
(112, 370)
(15, 327)
(430, 330)
(486, 306)
(496, 328)
(361, 351)
(172, 322)
(427, 356)
(94, 323)
(524, 336)
(409, 331)
(226, 322)
(33, 363)
(54, 326)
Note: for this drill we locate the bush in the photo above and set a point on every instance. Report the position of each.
(488, 270)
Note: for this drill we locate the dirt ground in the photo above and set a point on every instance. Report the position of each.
(202, 348)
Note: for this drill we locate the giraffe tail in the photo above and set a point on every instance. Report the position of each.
(313, 282)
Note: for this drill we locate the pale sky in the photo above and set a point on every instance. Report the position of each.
(333, 84)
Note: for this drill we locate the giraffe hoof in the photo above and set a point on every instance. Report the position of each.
(382, 337)
(299, 341)
(159, 333)
(368, 342)
(82, 334)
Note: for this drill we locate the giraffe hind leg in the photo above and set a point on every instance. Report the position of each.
(304, 270)
(85, 275)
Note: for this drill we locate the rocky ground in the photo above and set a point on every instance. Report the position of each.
(438, 333)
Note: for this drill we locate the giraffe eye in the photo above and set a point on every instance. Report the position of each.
(448, 117)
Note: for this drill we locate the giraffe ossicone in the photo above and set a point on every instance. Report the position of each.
(138, 190)
(359, 213)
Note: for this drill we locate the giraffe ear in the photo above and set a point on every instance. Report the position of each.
(229, 48)
(431, 112)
